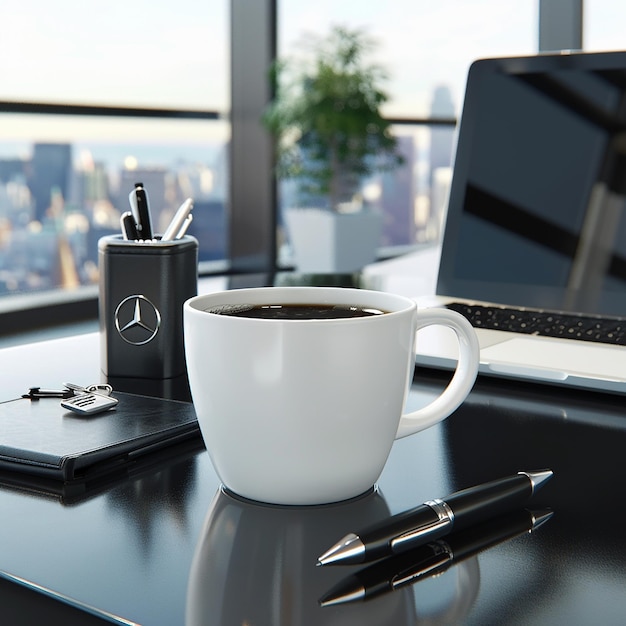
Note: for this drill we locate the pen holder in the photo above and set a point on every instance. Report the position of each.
(143, 286)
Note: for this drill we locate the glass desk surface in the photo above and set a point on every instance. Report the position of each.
(169, 547)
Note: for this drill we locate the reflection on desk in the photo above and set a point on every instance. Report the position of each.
(137, 549)
(256, 564)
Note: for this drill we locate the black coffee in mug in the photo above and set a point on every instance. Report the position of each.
(294, 311)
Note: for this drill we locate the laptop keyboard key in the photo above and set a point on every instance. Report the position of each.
(547, 324)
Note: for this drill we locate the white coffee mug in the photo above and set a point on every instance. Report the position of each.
(305, 411)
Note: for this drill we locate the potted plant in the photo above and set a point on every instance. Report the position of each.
(330, 136)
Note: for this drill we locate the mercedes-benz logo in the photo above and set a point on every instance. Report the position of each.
(137, 320)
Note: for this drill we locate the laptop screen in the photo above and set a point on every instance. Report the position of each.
(536, 212)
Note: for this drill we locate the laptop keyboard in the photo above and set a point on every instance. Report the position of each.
(583, 328)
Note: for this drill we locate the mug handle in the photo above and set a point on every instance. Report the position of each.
(462, 381)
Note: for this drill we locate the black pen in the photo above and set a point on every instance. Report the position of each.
(129, 228)
(435, 518)
(433, 558)
(138, 199)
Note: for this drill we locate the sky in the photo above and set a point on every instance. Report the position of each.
(147, 53)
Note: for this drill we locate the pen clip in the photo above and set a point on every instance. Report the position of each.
(444, 521)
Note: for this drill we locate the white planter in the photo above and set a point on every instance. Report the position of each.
(326, 242)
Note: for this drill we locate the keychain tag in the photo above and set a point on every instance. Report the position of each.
(89, 403)
(89, 400)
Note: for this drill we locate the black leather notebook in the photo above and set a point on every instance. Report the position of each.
(43, 446)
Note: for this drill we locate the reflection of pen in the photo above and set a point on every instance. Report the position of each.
(433, 558)
(129, 228)
(435, 518)
(138, 199)
(178, 221)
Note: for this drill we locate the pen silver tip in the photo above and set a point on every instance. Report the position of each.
(350, 549)
(539, 477)
(341, 594)
(540, 518)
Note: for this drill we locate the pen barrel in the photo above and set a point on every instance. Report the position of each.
(378, 538)
(476, 504)
(142, 218)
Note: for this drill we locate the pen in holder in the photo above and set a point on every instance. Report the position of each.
(143, 286)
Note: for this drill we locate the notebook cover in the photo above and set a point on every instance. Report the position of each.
(42, 439)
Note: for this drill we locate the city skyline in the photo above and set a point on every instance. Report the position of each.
(63, 196)
(70, 58)
(54, 210)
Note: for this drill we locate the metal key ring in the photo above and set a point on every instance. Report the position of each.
(101, 389)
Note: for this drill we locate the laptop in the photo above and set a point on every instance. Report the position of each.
(535, 231)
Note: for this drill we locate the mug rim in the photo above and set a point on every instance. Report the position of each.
(326, 295)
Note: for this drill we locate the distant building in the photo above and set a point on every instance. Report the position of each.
(51, 169)
(397, 200)
(209, 226)
(15, 196)
(11, 169)
(441, 145)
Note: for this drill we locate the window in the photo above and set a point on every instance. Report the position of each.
(124, 52)
(423, 44)
(427, 48)
(603, 25)
(65, 177)
(138, 54)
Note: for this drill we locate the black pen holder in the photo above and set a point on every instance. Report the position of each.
(143, 286)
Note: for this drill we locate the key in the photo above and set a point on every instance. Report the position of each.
(36, 393)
